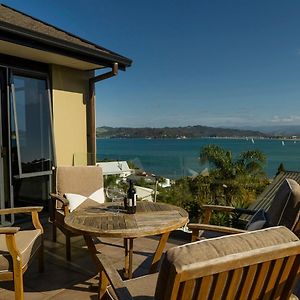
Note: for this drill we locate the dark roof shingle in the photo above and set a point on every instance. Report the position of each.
(15, 18)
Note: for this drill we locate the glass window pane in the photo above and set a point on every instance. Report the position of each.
(33, 123)
(13, 140)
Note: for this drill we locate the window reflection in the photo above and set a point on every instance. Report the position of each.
(32, 122)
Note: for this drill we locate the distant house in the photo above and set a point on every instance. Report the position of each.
(142, 176)
(144, 194)
(166, 183)
(120, 168)
(47, 103)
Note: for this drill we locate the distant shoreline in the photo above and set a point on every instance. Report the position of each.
(175, 132)
(206, 137)
(193, 132)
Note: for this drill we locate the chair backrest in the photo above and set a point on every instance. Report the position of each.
(265, 199)
(284, 209)
(83, 180)
(253, 265)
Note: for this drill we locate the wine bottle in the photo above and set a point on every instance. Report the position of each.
(131, 199)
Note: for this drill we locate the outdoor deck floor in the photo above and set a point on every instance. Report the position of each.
(78, 279)
(72, 280)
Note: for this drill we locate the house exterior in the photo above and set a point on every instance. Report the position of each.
(47, 79)
(119, 168)
(144, 194)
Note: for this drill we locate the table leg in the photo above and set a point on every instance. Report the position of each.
(103, 284)
(158, 253)
(126, 262)
(91, 246)
(103, 281)
(128, 246)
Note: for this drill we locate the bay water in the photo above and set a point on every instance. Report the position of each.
(174, 158)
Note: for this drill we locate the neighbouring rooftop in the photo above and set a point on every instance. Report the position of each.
(114, 168)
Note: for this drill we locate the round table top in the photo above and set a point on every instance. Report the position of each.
(105, 220)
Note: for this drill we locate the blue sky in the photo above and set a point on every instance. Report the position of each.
(214, 62)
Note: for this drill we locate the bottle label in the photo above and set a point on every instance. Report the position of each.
(129, 202)
(134, 199)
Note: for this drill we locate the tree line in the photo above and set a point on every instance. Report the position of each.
(173, 132)
(230, 181)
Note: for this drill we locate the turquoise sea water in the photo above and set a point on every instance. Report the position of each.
(174, 158)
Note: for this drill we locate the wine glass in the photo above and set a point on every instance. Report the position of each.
(116, 195)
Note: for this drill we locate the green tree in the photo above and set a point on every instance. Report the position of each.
(180, 194)
(234, 179)
(280, 169)
(231, 181)
(249, 162)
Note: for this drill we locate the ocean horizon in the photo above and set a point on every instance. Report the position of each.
(175, 158)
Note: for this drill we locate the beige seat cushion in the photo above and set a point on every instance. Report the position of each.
(141, 288)
(196, 255)
(28, 242)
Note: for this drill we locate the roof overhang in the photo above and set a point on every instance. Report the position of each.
(20, 42)
(45, 57)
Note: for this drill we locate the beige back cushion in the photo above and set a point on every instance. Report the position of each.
(78, 180)
(290, 213)
(194, 254)
(284, 209)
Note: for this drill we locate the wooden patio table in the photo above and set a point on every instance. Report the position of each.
(92, 219)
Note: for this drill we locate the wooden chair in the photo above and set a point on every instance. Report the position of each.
(19, 247)
(284, 211)
(73, 184)
(262, 264)
(265, 199)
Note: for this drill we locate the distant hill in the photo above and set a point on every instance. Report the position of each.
(174, 132)
(277, 130)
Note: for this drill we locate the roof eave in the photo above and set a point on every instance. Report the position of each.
(32, 39)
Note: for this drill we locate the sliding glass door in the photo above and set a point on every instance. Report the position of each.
(26, 141)
(30, 137)
(6, 199)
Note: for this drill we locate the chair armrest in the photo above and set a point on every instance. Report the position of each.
(217, 207)
(9, 230)
(34, 210)
(228, 209)
(245, 211)
(64, 202)
(215, 228)
(114, 277)
(208, 209)
(20, 210)
(61, 199)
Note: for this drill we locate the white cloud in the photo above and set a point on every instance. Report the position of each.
(285, 120)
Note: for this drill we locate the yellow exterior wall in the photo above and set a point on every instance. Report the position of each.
(70, 92)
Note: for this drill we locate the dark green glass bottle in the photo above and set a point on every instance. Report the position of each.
(131, 199)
